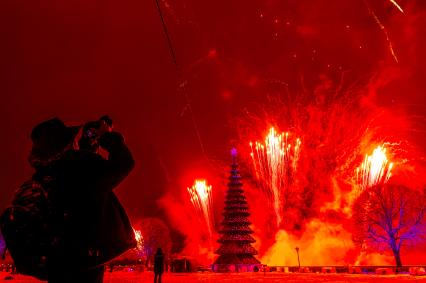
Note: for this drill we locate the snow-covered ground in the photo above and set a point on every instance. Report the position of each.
(142, 277)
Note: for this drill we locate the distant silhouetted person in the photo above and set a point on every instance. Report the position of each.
(158, 265)
(91, 225)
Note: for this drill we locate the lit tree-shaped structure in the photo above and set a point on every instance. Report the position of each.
(236, 252)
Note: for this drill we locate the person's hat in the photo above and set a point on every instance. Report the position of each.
(51, 137)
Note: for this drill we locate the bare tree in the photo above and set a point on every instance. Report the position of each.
(390, 217)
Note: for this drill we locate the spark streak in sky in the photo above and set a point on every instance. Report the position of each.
(274, 162)
(375, 169)
(201, 197)
(397, 5)
(382, 27)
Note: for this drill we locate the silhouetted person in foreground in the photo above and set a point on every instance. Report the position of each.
(158, 265)
(91, 226)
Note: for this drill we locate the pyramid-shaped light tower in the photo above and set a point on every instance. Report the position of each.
(236, 252)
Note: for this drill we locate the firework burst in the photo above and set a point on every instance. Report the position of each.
(201, 198)
(274, 162)
(140, 246)
(375, 169)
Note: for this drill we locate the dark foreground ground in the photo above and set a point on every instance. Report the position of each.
(142, 277)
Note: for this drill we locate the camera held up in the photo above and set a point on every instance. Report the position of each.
(92, 131)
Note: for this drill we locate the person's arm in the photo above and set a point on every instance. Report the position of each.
(88, 170)
(119, 163)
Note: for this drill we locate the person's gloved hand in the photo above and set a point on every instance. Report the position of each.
(105, 125)
(111, 140)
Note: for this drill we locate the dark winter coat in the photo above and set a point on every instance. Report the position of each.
(92, 226)
(159, 263)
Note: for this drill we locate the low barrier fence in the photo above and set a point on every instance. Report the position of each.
(353, 269)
